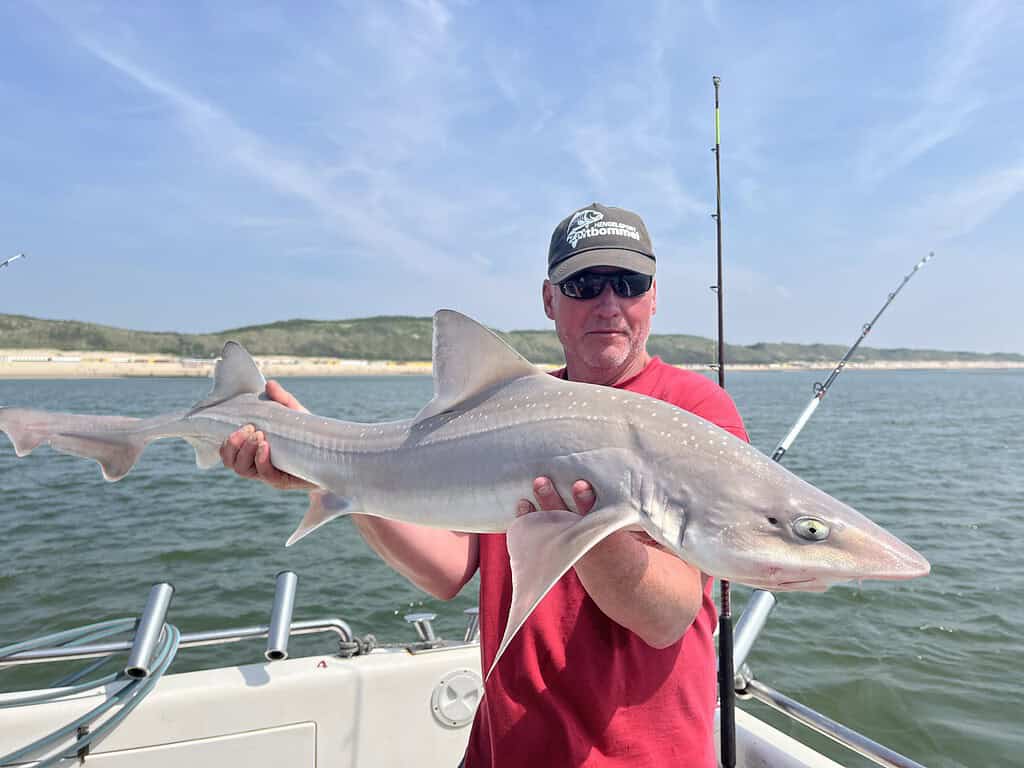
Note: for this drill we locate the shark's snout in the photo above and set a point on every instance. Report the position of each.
(900, 562)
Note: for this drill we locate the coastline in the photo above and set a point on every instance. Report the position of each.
(58, 364)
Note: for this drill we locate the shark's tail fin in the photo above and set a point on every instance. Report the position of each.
(109, 440)
(117, 441)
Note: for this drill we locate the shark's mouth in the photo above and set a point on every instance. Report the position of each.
(794, 582)
(785, 586)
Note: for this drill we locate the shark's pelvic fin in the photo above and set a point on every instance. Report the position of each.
(324, 506)
(207, 452)
(542, 546)
(468, 360)
(235, 374)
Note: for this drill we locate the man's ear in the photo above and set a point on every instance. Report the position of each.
(654, 297)
(547, 293)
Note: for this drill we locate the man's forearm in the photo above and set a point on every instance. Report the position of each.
(437, 561)
(643, 588)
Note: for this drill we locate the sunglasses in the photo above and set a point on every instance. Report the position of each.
(590, 285)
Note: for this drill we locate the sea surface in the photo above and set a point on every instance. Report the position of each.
(932, 668)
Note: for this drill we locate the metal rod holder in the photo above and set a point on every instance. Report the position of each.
(148, 630)
(189, 640)
(749, 626)
(281, 616)
(472, 624)
(423, 626)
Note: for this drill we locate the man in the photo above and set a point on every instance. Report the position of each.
(615, 666)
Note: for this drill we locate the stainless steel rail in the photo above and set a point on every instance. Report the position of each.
(849, 738)
(191, 640)
(750, 625)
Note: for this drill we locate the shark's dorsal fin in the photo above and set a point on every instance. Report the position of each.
(235, 374)
(469, 359)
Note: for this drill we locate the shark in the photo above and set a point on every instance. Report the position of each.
(497, 421)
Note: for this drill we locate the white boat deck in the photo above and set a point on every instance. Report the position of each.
(387, 708)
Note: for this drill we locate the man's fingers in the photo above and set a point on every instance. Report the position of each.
(547, 495)
(524, 507)
(247, 452)
(584, 496)
(228, 453)
(271, 474)
(267, 471)
(279, 394)
(245, 458)
(230, 447)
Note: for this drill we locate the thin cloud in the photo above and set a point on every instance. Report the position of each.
(957, 212)
(711, 10)
(221, 136)
(947, 105)
(624, 138)
(434, 10)
(960, 211)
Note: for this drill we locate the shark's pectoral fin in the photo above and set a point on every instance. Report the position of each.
(542, 546)
(324, 506)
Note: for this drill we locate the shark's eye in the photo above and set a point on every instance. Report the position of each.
(773, 520)
(810, 528)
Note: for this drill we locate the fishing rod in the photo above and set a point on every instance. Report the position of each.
(761, 602)
(820, 390)
(11, 260)
(717, 216)
(726, 684)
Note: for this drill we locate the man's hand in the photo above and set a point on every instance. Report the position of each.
(247, 451)
(633, 580)
(549, 498)
(583, 497)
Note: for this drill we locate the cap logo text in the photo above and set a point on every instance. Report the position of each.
(591, 223)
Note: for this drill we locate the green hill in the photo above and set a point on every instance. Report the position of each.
(408, 338)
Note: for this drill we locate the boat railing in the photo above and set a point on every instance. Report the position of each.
(150, 626)
(188, 640)
(753, 620)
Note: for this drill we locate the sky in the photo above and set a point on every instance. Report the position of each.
(204, 166)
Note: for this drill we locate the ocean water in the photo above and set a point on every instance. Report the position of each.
(931, 668)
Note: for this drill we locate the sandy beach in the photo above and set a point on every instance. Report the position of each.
(59, 364)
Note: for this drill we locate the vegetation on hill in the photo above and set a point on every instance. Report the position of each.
(408, 338)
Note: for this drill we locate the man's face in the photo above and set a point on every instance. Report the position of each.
(604, 334)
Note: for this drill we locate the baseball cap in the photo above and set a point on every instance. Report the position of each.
(599, 236)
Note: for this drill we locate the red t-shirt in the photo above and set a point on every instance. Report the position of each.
(574, 688)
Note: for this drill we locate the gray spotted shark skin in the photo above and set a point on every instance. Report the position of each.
(495, 423)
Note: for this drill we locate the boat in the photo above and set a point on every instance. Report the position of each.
(357, 704)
